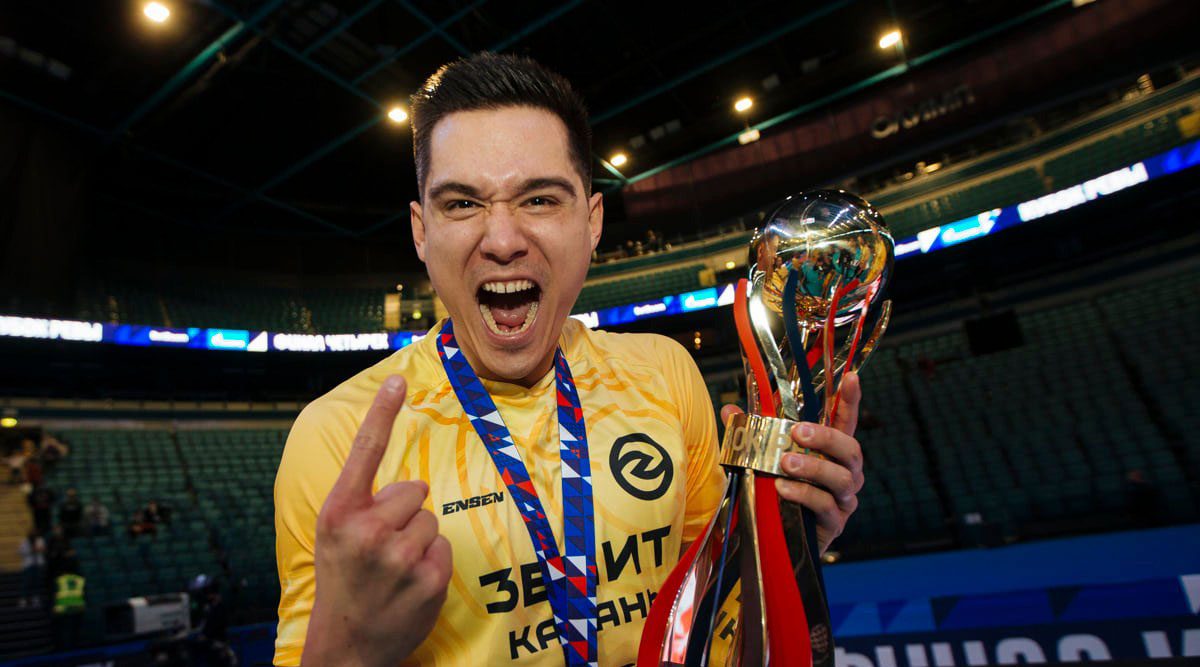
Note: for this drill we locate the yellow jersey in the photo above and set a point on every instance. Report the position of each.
(656, 482)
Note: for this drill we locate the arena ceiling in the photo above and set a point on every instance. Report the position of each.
(268, 119)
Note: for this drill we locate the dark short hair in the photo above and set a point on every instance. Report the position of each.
(494, 81)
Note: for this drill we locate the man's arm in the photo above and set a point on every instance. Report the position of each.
(383, 568)
(704, 477)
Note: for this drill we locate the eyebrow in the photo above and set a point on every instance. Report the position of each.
(529, 185)
(546, 182)
(453, 187)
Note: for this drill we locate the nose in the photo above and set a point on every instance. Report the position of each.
(504, 237)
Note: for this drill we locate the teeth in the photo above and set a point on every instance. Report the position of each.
(491, 321)
(506, 286)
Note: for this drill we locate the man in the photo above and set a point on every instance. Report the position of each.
(70, 514)
(41, 503)
(210, 615)
(508, 422)
(97, 518)
(69, 605)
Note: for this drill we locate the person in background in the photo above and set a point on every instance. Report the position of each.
(53, 451)
(16, 466)
(34, 473)
(41, 502)
(58, 551)
(141, 525)
(154, 513)
(70, 514)
(96, 518)
(33, 570)
(69, 605)
(211, 614)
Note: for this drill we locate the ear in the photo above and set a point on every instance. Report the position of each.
(596, 217)
(418, 227)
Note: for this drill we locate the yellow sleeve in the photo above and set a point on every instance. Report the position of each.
(312, 459)
(705, 478)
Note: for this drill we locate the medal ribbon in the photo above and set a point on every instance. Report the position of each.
(571, 576)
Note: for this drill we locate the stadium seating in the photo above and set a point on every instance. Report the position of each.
(957, 204)
(241, 307)
(689, 251)
(1116, 150)
(121, 302)
(1046, 433)
(642, 287)
(233, 473)
(900, 504)
(342, 311)
(125, 469)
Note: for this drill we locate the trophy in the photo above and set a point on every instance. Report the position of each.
(750, 591)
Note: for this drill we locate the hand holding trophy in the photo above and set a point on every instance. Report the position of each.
(810, 311)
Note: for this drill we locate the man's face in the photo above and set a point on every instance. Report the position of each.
(506, 231)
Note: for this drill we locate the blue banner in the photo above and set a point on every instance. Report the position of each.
(1156, 638)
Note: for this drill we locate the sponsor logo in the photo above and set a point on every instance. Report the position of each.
(472, 502)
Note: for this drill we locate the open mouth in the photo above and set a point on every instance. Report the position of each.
(509, 307)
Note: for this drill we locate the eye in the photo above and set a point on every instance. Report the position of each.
(540, 200)
(461, 205)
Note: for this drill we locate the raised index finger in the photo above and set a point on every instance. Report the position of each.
(371, 442)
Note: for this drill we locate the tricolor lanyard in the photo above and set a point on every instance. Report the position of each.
(572, 577)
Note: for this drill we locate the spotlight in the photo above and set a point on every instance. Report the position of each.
(618, 160)
(889, 39)
(8, 422)
(157, 12)
(743, 105)
(730, 264)
(749, 137)
(417, 314)
(397, 115)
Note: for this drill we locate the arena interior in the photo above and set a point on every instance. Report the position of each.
(204, 226)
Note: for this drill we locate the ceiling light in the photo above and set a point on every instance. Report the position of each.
(743, 105)
(397, 114)
(730, 264)
(889, 39)
(749, 137)
(8, 422)
(156, 11)
(618, 160)
(416, 314)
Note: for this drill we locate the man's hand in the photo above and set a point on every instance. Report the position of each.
(382, 569)
(836, 480)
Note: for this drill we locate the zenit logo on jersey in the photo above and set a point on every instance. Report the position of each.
(652, 440)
